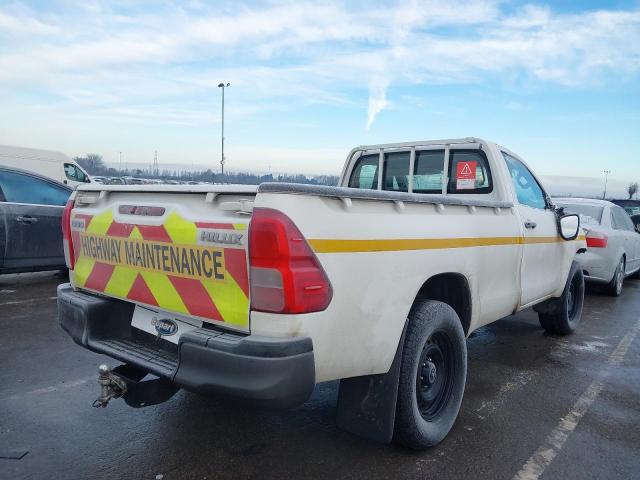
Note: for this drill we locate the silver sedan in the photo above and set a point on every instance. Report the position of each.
(613, 244)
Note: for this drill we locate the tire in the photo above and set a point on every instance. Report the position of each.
(562, 315)
(614, 287)
(428, 404)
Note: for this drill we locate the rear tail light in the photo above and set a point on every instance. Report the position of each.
(286, 276)
(67, 242)
(596, 239)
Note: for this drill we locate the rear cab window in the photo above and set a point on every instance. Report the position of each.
(365, 173)
(428, 171)
(468, 172)
(396, 171)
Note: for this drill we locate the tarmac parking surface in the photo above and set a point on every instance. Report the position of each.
(535, 406)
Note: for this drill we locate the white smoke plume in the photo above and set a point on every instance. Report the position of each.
(405, 17)
(377, 98)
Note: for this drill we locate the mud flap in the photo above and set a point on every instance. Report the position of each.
(367, 404)
(554, 305)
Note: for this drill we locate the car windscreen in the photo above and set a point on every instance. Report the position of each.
(589, 214)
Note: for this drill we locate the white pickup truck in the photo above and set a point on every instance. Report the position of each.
(263, 292)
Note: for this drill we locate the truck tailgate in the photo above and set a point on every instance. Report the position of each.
(178, 252)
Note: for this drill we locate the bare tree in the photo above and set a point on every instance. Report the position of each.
(92, 163)
(632, 189)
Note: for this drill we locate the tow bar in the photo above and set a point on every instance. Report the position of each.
(125, 381)
(111, 386)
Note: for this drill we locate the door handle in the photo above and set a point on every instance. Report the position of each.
(530, 224)
(26, 219)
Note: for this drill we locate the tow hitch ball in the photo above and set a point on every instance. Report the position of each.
(111, 386)
(126, 382)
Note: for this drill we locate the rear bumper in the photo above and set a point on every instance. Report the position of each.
(596, 266)
(274, 372)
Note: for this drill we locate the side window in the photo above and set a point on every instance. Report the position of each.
(365, 173)
(21, 188)
(527, 188)
(428, 171)
(620, 220)
(396, 172)
(469, 172)
(74, 173)
(614, 222)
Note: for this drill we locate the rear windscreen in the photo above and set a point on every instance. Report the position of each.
(365, 173)
(589, 214)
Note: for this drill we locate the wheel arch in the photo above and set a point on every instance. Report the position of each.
(451, 288)
(622, 254)
(367, 404)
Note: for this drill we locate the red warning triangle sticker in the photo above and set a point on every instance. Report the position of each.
(465, 170)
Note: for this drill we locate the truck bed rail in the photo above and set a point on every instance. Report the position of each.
(362, 194)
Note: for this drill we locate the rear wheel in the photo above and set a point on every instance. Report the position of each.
(614, 287)
(562, 315)
(432, 375)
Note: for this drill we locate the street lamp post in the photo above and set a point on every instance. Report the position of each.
(223, 86)
(606, 176)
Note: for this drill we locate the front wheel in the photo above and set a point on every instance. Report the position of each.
(562, 315)
(433, 373)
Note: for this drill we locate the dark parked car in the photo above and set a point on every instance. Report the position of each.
(636, 221)
(31, 209)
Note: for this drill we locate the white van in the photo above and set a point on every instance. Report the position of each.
(54, 165)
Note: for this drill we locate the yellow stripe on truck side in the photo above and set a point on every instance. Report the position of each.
(390, 245)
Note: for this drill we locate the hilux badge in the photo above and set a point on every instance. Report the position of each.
(164, 326)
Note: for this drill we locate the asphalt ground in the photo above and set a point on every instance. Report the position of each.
(535, 406)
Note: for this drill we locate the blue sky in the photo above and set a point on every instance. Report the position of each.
(556, 82)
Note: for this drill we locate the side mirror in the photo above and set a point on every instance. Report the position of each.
(569, 226)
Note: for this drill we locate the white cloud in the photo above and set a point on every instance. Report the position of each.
(312, 52)
(25, 26)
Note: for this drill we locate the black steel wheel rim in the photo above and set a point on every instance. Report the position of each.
(435, 375)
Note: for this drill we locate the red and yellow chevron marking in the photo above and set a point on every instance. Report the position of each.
(163, 266)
